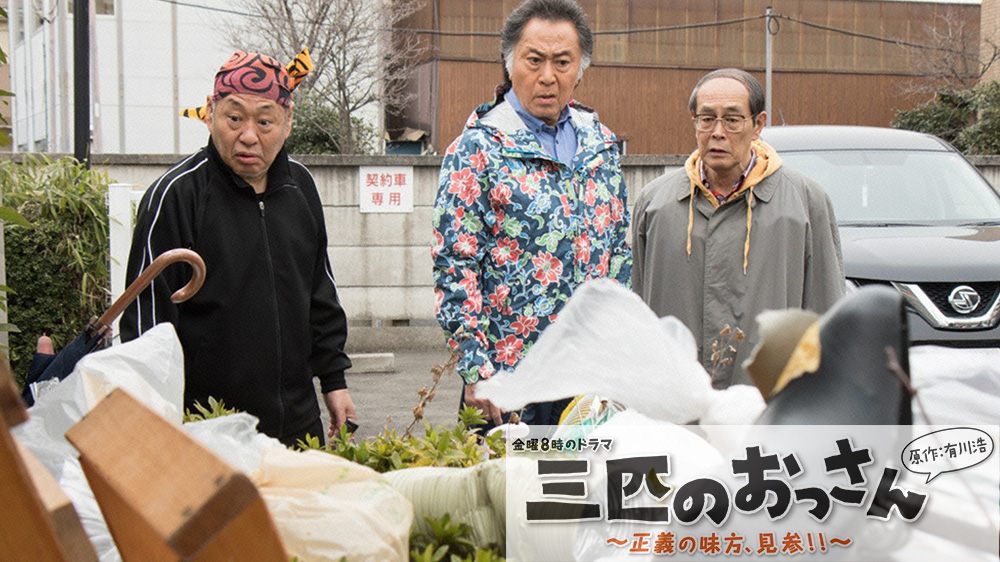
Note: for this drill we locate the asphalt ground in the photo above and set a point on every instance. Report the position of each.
(386, 400)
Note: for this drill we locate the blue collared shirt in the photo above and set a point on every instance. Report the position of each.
(559, 141)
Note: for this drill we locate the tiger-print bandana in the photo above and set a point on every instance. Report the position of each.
(259, 75)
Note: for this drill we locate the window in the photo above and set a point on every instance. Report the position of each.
(899, 185)
(15, 21)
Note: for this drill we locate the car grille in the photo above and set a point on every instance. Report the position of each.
(939, 292)
(930, 300)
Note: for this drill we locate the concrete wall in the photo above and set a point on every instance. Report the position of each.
(382, 261)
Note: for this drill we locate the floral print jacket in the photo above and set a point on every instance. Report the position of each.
(515, 232)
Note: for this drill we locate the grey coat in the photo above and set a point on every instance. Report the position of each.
(794, 258)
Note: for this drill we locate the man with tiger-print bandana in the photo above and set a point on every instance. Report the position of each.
(267, 319)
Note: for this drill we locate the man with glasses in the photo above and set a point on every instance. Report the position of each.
(734, 233)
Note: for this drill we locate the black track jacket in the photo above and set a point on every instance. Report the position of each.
(267, 318)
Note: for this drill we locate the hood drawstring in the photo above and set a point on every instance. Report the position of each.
(768, 162)
(690, 219)
(746, 245)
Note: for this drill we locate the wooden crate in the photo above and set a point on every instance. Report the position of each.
(163, 495)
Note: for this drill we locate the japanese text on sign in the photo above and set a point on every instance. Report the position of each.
(386, 189)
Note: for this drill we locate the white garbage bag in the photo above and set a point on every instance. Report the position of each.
(324, 507)
(150, 368)
(474, 495)
(956, 386)
(607, 342)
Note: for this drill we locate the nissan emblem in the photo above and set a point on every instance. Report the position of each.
(964, 299)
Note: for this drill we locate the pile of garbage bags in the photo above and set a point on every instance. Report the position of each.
(323, 506)
(607, 347)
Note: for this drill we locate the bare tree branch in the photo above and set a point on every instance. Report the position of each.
(958, 57)
(358, 59)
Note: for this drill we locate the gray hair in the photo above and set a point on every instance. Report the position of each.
(754, 88)
(548, 10)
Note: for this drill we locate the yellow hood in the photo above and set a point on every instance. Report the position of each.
(767, 163)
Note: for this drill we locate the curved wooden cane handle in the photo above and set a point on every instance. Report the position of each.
(146, 277)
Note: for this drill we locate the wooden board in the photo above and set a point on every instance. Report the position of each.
(12, 408)
(164, 496)
(37, 522)
(65, 520)
(26, 532)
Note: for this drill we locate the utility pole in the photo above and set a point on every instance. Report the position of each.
(52, 103)
(767, 64)
(81, 80)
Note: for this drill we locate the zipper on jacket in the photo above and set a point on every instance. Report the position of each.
(274, 304)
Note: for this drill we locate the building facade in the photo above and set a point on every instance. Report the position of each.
(989, 34)
(4, 85)
(833, 61)
(149, 59)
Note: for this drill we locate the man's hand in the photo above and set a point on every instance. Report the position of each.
(341, 408)
(489, 410)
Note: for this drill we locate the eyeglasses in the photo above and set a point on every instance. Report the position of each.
(731, 123)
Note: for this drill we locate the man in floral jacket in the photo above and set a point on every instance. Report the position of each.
(531, 203)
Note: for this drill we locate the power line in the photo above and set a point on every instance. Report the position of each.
(678, 27)
(447, 33)
(211, 8)
(596, 32)
(898, 42)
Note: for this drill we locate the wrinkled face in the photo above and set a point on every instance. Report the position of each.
(249, 131)
(726, 154)
(546, 62)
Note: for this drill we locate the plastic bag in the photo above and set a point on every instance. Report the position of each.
(475, 495)
(956, 386)
(608, 345)
(324, 506)
(150, 368)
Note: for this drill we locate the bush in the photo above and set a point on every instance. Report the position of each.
(57, 269)
(968, 119)
(945, 117)
(315, 129)
(448, 540)
(983, 136)
(439, 446)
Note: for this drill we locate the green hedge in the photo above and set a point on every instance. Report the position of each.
(57, 269)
